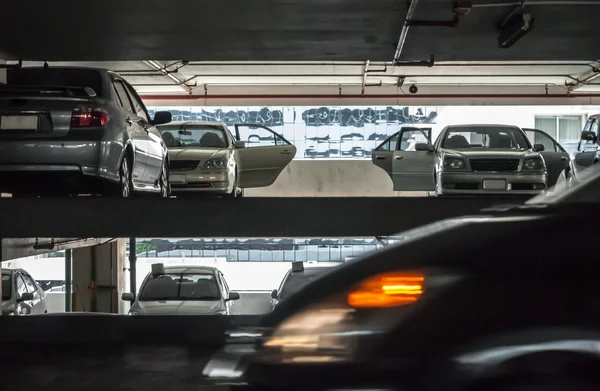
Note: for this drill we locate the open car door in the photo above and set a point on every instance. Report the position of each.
(408, 156)
(555, 156)
(264, 156)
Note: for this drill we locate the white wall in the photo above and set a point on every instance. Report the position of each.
(331, 178)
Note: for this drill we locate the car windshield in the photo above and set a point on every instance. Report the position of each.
(180, 286)
(194, 136)
(6, 287)
(482, 137)
(298, 280)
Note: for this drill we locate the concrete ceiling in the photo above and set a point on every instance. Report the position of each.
(285, 30)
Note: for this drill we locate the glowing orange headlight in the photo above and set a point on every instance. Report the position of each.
(387, 290)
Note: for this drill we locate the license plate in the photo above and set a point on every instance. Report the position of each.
(177, 178)
(494, 184)
(19, 122)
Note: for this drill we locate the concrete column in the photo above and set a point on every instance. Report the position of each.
(2, 72)
(99, 278)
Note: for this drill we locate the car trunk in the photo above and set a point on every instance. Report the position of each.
(35, 112)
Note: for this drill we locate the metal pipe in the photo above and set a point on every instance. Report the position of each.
(132, 267)
(374, 96)
(404, 33)
(68, 281)
(371, 75)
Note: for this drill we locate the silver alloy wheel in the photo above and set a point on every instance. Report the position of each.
(164, 182)
(125, 179)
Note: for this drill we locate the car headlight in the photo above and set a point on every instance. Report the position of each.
(347, 324)
(133, 313)
(221, 313)
(9, 313)
(533, 164)
(454, 163)
(215, 163)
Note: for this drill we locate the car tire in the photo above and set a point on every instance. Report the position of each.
(163, 181)
(125, 178)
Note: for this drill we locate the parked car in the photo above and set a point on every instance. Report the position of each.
(461, 304)
(470, 159)
(183, 290)
(205, 157)
(21, 294)
(78, 131)
(294, 280)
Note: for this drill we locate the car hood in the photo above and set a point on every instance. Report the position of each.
(179, 307)
(492, 153)
(196, 153)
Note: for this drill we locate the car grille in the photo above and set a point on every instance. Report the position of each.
(183, 165)
(494, 164)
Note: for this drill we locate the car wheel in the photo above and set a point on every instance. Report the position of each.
(165, 186)
(125, 179)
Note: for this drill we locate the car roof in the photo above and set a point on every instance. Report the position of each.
(483, 125)
(190, 269)
(182, 123)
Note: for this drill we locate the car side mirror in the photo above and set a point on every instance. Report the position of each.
(234, 296)
(274, 294)
(128, 296)
(589, 136)
(423, 147)
(240, 144)
(538, 147)
(162, 117)
(27, 296)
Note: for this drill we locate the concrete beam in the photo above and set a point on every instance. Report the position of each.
(247, 217)
(18, 248)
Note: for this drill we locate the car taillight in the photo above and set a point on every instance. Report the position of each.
(84, 117)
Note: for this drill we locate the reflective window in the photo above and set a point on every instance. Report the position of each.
(180, 286)
(194, 136)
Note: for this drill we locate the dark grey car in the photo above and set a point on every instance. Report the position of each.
(78, 131)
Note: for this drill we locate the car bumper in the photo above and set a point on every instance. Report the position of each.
(477, 183)
(80, 157)
(202, 181)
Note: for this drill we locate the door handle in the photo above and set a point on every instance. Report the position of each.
(285, 152)
(379, 157)
(398, 157)
(563, 158)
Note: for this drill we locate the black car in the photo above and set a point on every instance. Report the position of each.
(505, 299)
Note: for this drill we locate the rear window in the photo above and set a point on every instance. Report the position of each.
(56, 77)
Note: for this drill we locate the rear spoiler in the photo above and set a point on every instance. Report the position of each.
(75, 92)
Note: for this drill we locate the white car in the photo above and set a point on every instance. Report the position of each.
(21, 294)
(205, 157)
(183, 290)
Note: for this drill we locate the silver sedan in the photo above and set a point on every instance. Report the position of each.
(78, 131)
(470, 159)
(205, 157)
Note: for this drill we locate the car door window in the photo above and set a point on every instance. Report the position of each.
(21, 287)
(29, 284)
(138, 106)
(259, 136)
(123, 96)
(389, 144)
(409, 138)
(539, 137)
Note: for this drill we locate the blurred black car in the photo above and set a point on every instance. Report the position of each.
(505, 300)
